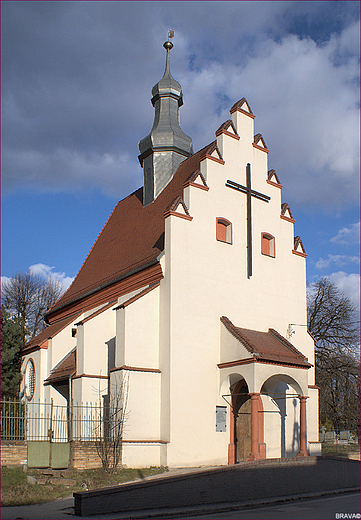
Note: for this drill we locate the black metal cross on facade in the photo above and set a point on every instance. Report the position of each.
(250, 193)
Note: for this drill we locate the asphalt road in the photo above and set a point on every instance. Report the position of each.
(323, 508)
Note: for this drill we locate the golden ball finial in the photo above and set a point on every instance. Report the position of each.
(168, 45)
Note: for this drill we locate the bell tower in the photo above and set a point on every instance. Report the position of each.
(166, 146)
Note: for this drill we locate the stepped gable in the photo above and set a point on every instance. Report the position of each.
(131, 238)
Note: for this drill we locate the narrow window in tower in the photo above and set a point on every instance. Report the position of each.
(268, 245)
(224, 230)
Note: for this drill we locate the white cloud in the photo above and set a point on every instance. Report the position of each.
(72, 171)
(5, 279)
(339, 260)
(74, 109)
(348, 236)
(307, 108)
(46, 272)
(349, 284)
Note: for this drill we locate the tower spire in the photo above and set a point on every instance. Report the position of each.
(166, 146)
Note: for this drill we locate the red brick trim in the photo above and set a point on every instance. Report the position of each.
(215, 159)
(131, 441)
(176, 214)
(135, 369)
(195, 185)
(229, 364)
(247, 361)
(137, 296)
(288, 219)
(150, 274)
(236, 109)
(275, 184)
(260, 148)
(93, 376)
(315, 387)
(223, 131)
(34, 348)
(299, 253)
(96, 313)
(27, 363)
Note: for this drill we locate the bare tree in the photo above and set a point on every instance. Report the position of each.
(332, 321)
(331, 318)
(110, 425)
(29, 296)
(338, 376)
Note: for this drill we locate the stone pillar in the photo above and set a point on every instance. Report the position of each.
(255, 454)
(303, 428)
(232, 444)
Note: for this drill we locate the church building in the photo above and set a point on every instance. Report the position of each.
(195, 293)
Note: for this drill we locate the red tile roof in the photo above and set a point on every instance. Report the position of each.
(267, 346)
(132, 237)
(47, 333)
(64, 369)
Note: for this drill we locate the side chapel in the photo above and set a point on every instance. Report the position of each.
(195, 290)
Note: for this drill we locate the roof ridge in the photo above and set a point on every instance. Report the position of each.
(285, 342)
(237, 334)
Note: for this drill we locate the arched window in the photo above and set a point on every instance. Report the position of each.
(30, 379)
(224, 230)
(268, 245)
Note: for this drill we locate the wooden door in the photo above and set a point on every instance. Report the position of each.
(243, 426)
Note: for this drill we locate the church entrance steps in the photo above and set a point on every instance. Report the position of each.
(242, 483)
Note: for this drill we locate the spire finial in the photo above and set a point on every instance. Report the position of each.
(166, 145)
(169, 45)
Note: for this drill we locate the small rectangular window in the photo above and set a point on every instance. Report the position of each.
(224, 230)
(267, 245)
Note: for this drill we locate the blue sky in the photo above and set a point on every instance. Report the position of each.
(76, 88)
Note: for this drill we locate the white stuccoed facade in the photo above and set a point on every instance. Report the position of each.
(171, 338)
(181, 334)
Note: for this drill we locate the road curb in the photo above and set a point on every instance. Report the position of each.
(230, 506)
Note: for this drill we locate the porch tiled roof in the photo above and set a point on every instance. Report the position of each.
(47, 333)
(267, 346)
(64, 369)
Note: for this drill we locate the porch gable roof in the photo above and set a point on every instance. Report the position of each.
(267, 346)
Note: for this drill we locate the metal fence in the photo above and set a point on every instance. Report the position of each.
(13, 420)
(22, 420)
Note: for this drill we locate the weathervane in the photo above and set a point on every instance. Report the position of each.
(169, 45)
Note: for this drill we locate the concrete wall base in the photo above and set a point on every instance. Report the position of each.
(243, 482)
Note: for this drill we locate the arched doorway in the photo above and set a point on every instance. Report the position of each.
(242, 419)
(241, 404)
(282, 418)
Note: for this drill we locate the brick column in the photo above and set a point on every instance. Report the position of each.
(303, 428)
(255, 454)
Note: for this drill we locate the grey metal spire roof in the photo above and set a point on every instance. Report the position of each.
(166, 146)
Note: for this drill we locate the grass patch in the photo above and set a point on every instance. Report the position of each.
(339, 449)
(16, 490)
